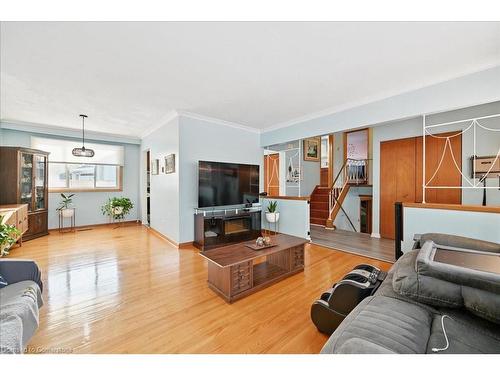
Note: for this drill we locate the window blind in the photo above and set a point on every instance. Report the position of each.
(60, 151)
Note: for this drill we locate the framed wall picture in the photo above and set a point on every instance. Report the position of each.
(170, 163)
(312, 149)
(155, 166)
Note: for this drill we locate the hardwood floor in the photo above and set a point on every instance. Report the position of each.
(355, 243)
(126, 290)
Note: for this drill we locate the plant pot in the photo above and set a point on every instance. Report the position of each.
(117, 210)
(68, 212)
(272, 217)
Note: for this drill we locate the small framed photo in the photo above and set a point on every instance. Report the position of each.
(155, 166)
(312, 149)
(170, 163)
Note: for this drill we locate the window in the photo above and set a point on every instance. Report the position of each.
(73, 177)
(356, 144)
(103, 172)
(324, 151)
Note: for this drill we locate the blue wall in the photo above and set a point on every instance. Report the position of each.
(206, 140)
(481, 87)
(164, 187)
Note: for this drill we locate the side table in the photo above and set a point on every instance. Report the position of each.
(64, 217)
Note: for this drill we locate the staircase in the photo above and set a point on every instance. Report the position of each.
(318, 208)
(353, 172)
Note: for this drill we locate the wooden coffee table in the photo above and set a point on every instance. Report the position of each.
(235, 271)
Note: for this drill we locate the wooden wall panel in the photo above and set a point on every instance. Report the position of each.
(323, 180)
(401, 174)
(388, 192)
(272, 174)
(447, 175)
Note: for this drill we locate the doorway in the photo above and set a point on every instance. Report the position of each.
(272, 174)
(365, 214)
(148, 187)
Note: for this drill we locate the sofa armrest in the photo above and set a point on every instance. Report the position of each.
(16, 270)
(459, 242)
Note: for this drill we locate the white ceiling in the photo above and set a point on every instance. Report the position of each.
(128, 77)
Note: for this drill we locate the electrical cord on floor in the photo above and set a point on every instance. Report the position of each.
(435, 350)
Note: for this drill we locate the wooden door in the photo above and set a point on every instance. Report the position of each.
(397, 180)
(272, 174)
(388, 192)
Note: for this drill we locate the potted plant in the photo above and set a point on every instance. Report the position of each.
(8, 236)
(117, 208)
(65, 205)
(272, 215)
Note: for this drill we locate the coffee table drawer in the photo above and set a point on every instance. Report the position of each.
(241, 277)
(297, 255)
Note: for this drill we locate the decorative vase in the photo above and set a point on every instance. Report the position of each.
(272, 217)
(67, 212)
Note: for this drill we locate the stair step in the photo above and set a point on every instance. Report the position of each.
(319, 198)
(319, 214)
(319, 205)
(316, 220)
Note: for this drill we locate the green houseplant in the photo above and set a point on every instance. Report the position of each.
(8, 236)
(65, 206)
(272, 214)
(117, 208)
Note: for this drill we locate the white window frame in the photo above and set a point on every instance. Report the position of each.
(119, 179)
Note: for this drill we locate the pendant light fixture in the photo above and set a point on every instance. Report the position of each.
(82, 151)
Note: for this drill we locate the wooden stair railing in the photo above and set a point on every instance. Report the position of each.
(353, 172)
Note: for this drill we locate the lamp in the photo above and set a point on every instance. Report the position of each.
(82, 151)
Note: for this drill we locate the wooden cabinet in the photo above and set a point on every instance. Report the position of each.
(25, 173)
(16, 215)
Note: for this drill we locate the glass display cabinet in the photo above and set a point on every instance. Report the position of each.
(24, 173)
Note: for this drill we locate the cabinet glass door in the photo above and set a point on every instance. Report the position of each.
(26, 188)
(40, 167)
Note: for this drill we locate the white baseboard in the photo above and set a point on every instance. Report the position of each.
(375, 235)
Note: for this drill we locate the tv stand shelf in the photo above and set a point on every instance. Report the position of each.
(221, 227)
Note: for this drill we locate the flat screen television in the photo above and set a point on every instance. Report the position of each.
(225, 184)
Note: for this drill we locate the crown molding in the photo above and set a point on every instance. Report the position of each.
(230, 124)
(61, 131)
(169, 116)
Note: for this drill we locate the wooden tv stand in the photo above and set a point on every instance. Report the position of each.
(235, 271)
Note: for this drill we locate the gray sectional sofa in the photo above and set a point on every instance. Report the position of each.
(20, 301)
(452, 319)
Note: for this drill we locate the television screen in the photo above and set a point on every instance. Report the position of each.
(224, 184)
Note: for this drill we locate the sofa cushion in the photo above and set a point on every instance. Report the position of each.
(11, 328)
(461, 242)
(418, 277)
(465, 335)
(20, 303)
(3, 282)
(382, 324)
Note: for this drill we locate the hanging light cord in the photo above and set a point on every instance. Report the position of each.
(83, 131)
(435, 350)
